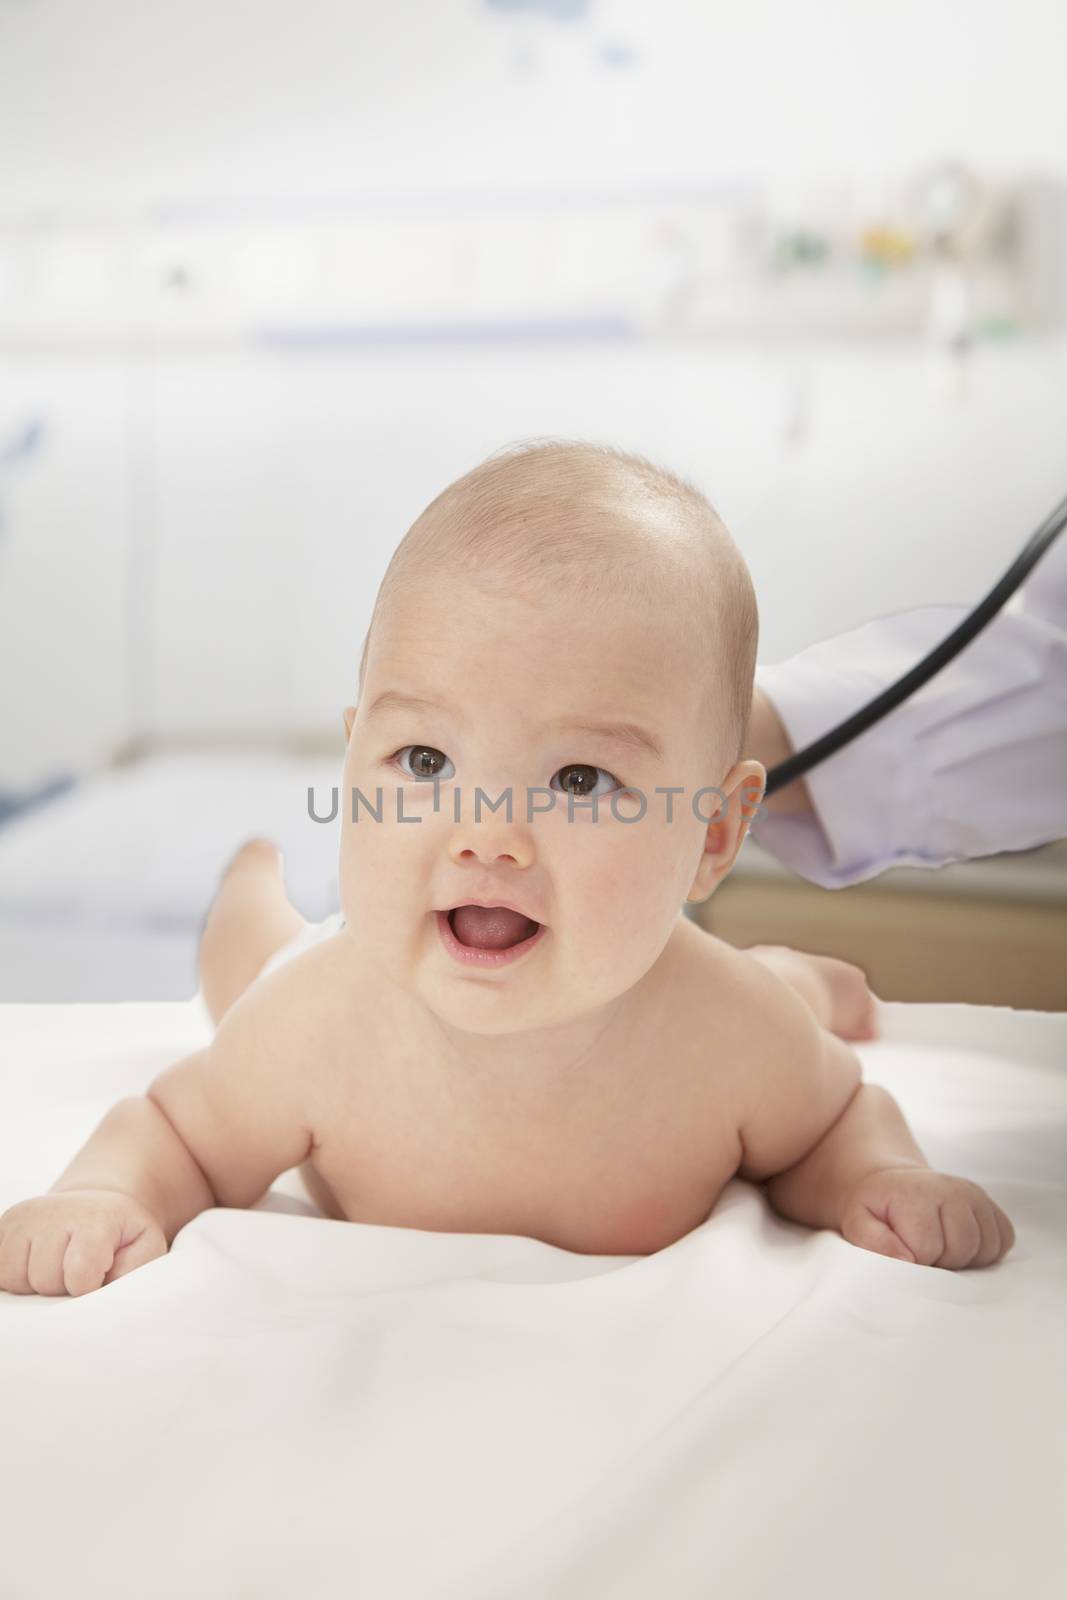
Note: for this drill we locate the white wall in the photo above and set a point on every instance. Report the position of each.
(131, 100)
(272, 489)
(68, 560)
(286, 482)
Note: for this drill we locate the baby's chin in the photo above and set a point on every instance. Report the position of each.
(507, 1020)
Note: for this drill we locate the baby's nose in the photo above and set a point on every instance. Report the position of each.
(490, 840)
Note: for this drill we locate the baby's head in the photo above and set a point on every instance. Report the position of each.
(584, 626)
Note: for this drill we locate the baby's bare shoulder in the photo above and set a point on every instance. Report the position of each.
(299, 1017)
(790, 1077)
(737, 1004)
(716, 977)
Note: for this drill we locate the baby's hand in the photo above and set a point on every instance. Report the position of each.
(928, 1218)
(75, 1240)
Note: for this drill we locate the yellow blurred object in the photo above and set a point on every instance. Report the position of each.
(887, 244)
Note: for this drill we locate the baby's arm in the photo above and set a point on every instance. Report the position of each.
(238, 1107)
(837, 1152)
(215, 1128)
(136, 1151)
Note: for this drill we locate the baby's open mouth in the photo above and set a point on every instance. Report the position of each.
(490, 927)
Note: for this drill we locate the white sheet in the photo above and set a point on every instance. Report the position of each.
(289, 1405)
(104, 890)
(145, 843)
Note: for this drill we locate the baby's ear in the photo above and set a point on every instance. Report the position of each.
(349, 718)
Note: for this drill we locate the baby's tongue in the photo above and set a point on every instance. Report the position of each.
(490, 927)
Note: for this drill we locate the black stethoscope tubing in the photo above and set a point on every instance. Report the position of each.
(828, 744)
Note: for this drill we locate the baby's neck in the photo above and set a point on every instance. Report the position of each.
(548, 1068)
(542, 1060)
(530, 1069)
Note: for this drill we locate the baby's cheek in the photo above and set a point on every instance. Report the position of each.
(380, 860)
(627, 888)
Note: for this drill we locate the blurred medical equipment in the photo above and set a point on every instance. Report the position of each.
(943, 255)
(958, 218)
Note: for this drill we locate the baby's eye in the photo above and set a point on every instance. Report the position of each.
(580, 780)
(423, 762)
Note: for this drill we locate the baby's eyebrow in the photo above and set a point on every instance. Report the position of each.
(396, 700)
(624, 733)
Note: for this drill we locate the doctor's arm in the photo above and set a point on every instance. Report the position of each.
(769, 743)
(972, 764)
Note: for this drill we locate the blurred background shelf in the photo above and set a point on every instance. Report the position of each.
(991, 931)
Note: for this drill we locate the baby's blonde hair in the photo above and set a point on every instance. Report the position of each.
(605, 526)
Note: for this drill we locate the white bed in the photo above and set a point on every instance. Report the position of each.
(288, 1405)
(104, 890)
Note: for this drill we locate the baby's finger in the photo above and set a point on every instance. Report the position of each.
(1002, 1231)
(1007, 1232)
(989, 1250)
(14, 1254)
(918, 1223)
(142, 1248)
(861, 1227)
(44, 1269)
(966, 1239)
(89, 1254)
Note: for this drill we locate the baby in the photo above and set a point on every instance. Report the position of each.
(513, 1027)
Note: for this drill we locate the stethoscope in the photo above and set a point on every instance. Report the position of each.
(828, 744)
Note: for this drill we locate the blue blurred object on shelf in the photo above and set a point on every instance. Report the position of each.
(15, 801)
(23, 443)
(562, 10)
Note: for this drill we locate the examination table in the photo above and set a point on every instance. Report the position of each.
(287, 1405)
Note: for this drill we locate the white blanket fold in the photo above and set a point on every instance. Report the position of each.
(290, 1405)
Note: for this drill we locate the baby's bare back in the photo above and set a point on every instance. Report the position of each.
(623, 1159)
